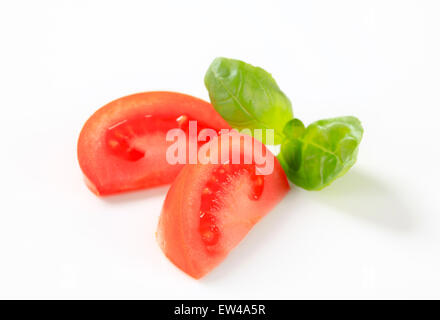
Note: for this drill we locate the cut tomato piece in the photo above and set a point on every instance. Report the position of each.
(123, 145)
(211, 207)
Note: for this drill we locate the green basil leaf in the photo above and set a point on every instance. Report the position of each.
(247, 97)
(294, 129)
(314, 157)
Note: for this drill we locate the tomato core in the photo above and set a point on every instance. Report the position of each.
(124, 139)
(211, 195)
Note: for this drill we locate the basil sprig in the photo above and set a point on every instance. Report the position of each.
(312, 157)
(315, 156)
(247, 96)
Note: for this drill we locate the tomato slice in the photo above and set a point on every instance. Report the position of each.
(211, 207)
(122, 146)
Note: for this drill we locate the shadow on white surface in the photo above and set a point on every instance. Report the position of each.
(362, 195)
(136, 195)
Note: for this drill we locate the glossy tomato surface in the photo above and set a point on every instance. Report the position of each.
(122, 146)
(211, 207)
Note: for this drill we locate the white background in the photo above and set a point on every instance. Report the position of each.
(375, 233)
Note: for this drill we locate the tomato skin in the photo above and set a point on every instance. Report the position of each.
(177, 232)
(107, 174)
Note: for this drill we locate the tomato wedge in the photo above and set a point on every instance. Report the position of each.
(122, 146)
(211, 207)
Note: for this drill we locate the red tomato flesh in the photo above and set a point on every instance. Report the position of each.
(211, 207)
(123, 147)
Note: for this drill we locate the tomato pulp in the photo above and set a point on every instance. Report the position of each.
(122, 146)
(211, 207)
